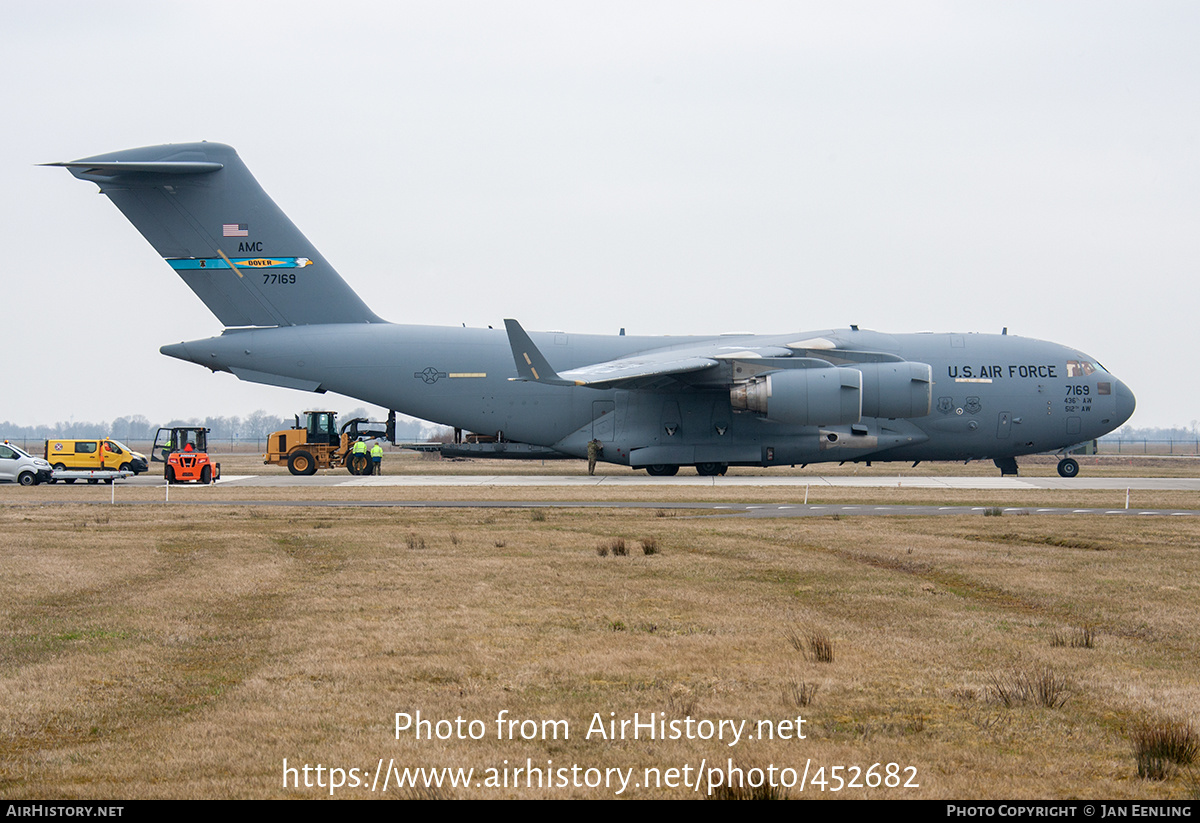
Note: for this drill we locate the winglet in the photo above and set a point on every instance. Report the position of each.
(531, 365)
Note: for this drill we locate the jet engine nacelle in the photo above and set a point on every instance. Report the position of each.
(805, 397)
(902, 389)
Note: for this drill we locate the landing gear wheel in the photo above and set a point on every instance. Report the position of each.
(1068, 467)
(662, 470)
(301, 463)
(710, 469)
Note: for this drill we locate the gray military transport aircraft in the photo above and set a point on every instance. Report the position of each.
(654, 403)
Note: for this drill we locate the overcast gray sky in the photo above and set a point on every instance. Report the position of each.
(676, 167)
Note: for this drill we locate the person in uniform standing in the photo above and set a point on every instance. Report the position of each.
(358, 457)
(595, 449)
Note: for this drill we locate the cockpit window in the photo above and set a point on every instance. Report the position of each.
(1079, 368)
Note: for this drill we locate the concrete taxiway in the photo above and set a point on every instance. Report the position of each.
(193, 494)
(340, 480)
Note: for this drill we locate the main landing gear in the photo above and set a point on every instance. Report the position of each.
(702, 469)
(1006, 465)
(1068, 467)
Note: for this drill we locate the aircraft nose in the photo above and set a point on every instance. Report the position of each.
(1125, 402)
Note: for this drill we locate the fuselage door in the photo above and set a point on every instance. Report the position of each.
(1003, 425)
(604, 418)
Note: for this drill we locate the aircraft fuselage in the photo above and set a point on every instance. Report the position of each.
(658, 402)
(993, 396)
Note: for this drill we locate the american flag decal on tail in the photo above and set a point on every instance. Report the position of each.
(235, 230)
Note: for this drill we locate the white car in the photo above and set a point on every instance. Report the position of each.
(21, 467)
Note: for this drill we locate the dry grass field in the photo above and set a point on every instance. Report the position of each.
(186, 651)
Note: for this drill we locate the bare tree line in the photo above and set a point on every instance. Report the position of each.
(137, 428)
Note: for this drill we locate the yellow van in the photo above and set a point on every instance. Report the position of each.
(100, 453)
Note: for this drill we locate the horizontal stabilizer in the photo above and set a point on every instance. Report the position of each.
(92, 169)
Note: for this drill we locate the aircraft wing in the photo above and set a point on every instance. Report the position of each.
(533, 367)
(642, 369)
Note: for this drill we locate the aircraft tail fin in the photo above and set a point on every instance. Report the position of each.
(201, 209)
